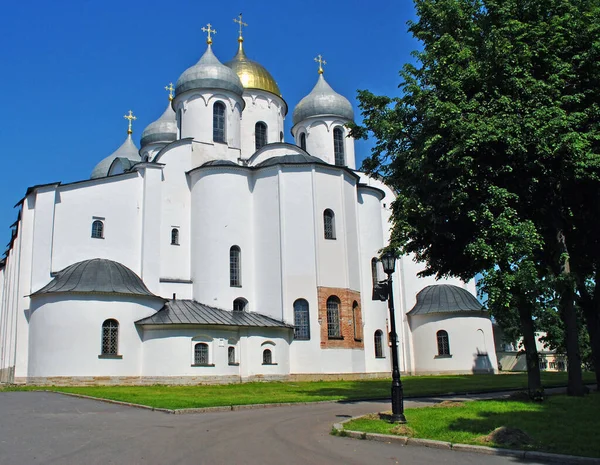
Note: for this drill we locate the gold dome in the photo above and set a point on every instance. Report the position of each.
(252, 74)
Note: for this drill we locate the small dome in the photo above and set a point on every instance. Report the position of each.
(323, 101)
(209, 73)
(253, 75)
(127, 150)
(96, 276)
(164, 129)
(445, 298)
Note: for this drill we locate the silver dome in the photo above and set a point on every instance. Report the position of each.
(164, 129)
(321, 101)
(127, 150)
(209, 73)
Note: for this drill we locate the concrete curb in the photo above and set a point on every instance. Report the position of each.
(405, 440)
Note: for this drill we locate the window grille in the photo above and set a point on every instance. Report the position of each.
(303, 141)
(231, 355)
(219, 122)
(267, 357)
(329, 224)
(98, 229)
(110, 337)
(239, 305)
(260, 134)
(378, 344)
(355, 320)
(301, 320)
(235, 266)
(174, 236)
(201, 354)
(338, 146)
(443, 343)
(333, 318)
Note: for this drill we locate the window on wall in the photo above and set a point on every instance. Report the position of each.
(374, 274)
(239, 305)
(219, 122)
(329, 224)
(260, 134)
(179, 123)
(378, 344)
(98, 229)
(303, 141)
(201, 354)
(334, 330)
(301, 320)
(231, 355)
(338, 146)
(443, 343)
(267, 357)
(280, 136)
(235, 266)
(174, 236)
(356, 321)
(110, 337)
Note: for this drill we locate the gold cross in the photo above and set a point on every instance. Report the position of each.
(171, 89)
(209, 30)
(321, 62)
(131, 118)
(241, 23)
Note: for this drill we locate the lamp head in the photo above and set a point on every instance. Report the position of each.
(388, 260)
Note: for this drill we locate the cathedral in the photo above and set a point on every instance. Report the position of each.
(219, 252)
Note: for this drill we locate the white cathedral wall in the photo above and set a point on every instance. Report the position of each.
(319, 138)
(265, 107)
(66, 330)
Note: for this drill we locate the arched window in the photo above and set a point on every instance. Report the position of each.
(174, 236)
(356, 321)
(338, 146)
(267, 357)
(260, 134)
(219, 122)
(110, 337)
(334, 330)
(443, 343)
(329, 224)
(239, 304)
(378, 344)
(301, 320)
(231, 355)
(179, 123)
(98, 229)
(201, 354)
(303, 141)
(374, 273)
(280, 136)
(235, 266)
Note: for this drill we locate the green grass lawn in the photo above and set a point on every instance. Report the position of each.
(560, 424)
(178, 397)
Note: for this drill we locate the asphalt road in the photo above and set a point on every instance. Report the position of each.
(49, 428)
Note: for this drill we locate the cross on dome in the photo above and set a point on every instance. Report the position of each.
(242, 24)
(209, 30)
(131, 118)
(319, 59)
(171, 90)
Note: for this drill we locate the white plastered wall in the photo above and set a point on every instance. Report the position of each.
(260, 106)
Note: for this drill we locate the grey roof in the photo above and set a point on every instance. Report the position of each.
(220, 163)
(126, 150)
(190, 312)
(209, 73)
(296, 159)
(164, 129)
(96, 276)
(445, 298)
(322, 101)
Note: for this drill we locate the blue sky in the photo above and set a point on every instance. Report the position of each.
(72, 69)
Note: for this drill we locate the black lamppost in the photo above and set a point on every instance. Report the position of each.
(389, 264)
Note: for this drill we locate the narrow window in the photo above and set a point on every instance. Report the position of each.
(179, 123)
(219, 122)
(280, 136)
(303, 141)
(260, 134)
(356, 321)
(378, 344)
(239, 305)
(235, 266)
(174, 236)
(301, 320)
(333, 318)
(329, 224)
(443, 343)
(110, 337)
(267, 357)
(231, 355)
(98, 229)
(201, 354)
(374, 274)
(338, 146)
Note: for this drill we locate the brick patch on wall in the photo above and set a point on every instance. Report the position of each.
(349, 339)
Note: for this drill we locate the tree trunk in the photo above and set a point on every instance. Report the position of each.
(534, 380)
(592, 319)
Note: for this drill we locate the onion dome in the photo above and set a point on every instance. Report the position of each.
(323, 101)
(127, 150)
(209, 73)
(164, 129)
(445, 298)
(253, 75)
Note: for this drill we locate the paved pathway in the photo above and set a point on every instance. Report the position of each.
(50, 428)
